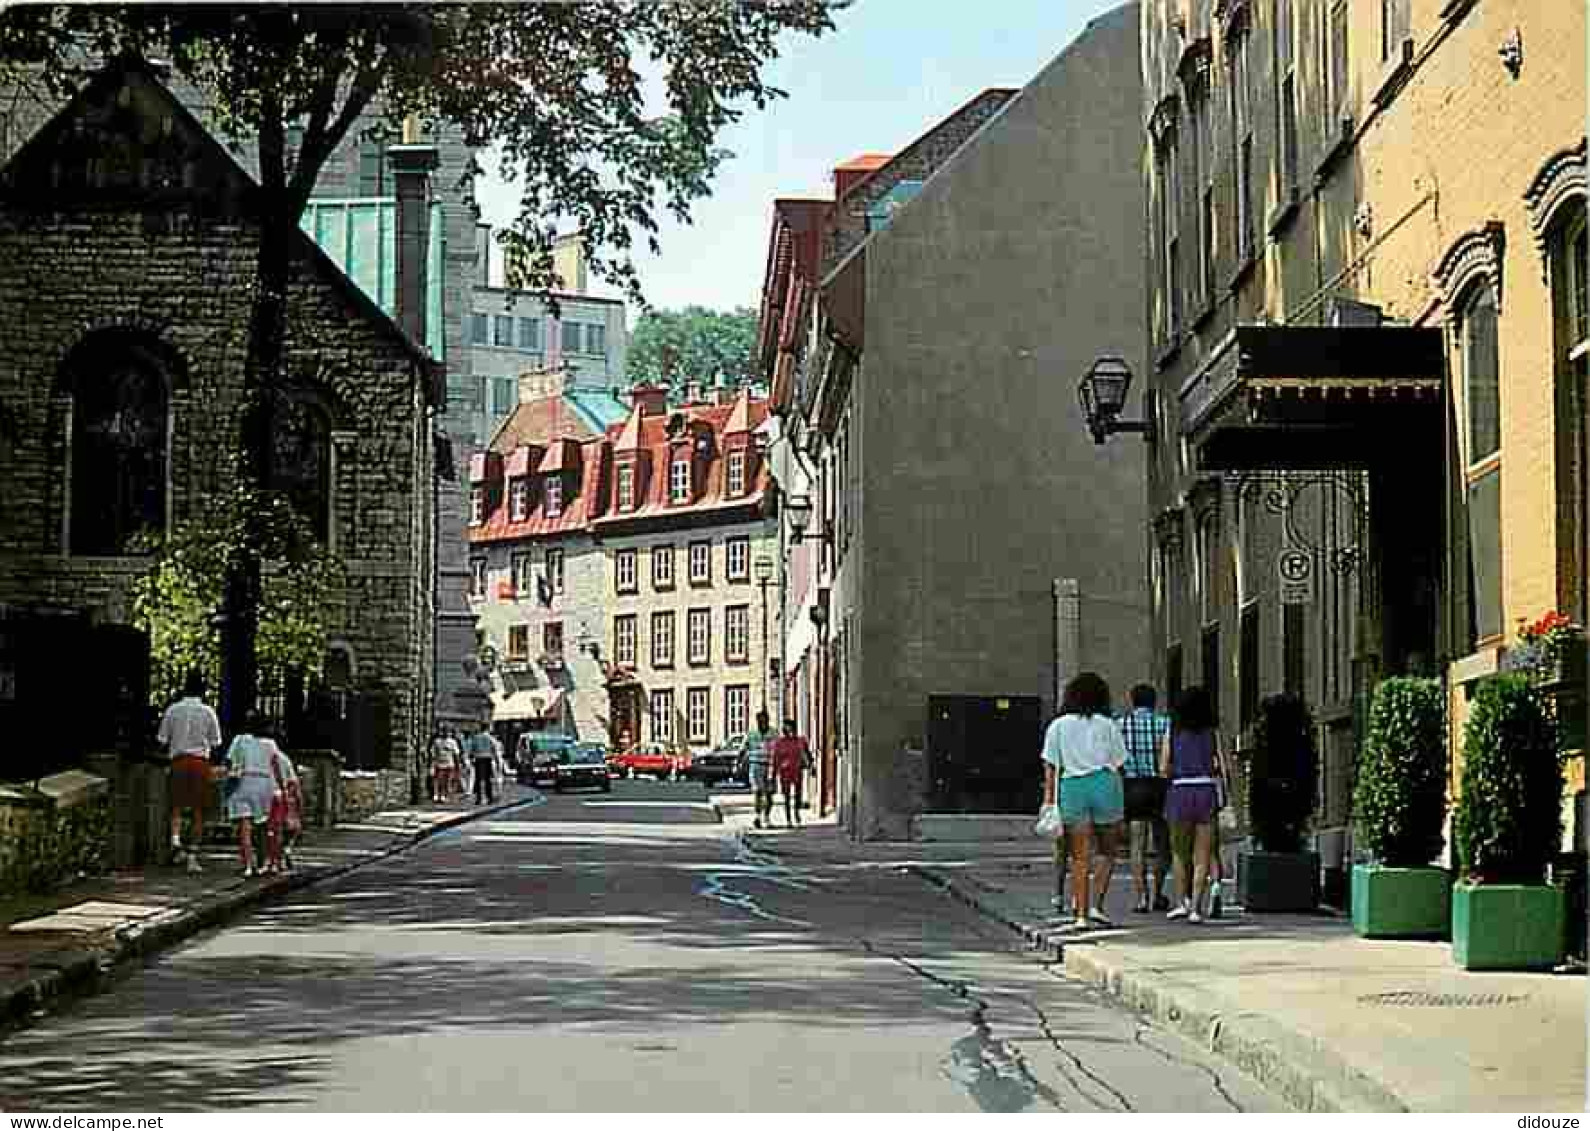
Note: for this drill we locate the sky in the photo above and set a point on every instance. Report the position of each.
(889, 71)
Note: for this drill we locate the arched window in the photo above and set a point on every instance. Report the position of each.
(1481, 369)
(301, 459)
(120, 386)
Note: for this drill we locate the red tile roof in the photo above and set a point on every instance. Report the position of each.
(537, 423)
(711, 430)
(867, 162)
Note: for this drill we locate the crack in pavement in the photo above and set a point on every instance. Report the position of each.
(974, 1052)
(1172, 1058)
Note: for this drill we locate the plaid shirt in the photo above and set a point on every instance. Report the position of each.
(1143, 730)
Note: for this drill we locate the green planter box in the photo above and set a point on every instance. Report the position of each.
(1278, 881)
(1507, 926)
(1401, 903)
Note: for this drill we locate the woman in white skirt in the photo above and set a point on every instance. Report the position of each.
(251, 788)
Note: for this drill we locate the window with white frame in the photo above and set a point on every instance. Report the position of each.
(1241, 105)
(662, 639)
(739, 559)
(523, 571)
(555, 569)
(1337, 72)
(626, 488)
(662, 567)
(554, 495)
(518, 642)
(736, 710)
(679, 481)
(701, 563)
(624, 639)
(624, 580)
(519, 499)
(477, 506)
(699, 631)
(737, 634)
(736, 474)
(698, 715)
(662, 717)
(552, 640)
(477, 577)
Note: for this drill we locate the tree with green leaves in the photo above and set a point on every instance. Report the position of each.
(561, 89)
(670, 347)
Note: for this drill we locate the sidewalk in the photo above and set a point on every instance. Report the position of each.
(1324, 1019)
(70, 941)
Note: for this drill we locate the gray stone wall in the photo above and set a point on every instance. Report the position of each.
(987, 298)
(64, 274)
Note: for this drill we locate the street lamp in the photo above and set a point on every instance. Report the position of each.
(1102, 394)
(763, 569)
(798, 508)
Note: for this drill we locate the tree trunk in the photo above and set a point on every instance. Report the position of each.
(261, 380)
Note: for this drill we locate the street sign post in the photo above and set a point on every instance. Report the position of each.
(1296, 570)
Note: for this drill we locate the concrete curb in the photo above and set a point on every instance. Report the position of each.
(1297, 1067)
(79, 971)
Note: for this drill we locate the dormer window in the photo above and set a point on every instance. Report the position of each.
(519, 500)
(477, 506)
(736, 483)
(626, 488)
(554, 495)
(679, 481)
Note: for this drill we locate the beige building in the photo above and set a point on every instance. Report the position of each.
(615, 571)
(1368, 339)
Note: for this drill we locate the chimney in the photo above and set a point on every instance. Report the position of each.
(412, 165)
(568, 263)
(535, 384)
(652, 399)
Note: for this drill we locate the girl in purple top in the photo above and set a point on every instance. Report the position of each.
(1190, 758)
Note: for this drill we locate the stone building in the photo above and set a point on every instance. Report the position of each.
(970, 552)
(127, 239)
(617, 574)
(1368, 331)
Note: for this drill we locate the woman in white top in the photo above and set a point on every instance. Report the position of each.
(1083, 753)
(251, 789)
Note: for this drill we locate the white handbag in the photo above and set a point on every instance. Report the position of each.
(1049, 823)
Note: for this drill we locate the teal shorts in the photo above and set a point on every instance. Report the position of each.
(1094, 798)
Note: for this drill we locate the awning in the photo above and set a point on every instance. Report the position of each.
(538, 704)
(1315, 396)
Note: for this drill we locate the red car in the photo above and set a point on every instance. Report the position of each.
(657, 761)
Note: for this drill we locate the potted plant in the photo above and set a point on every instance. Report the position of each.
(1553, 647)
(1506, 830)
(1399, 806)
(1280, 875)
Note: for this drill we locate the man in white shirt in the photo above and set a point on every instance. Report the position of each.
(190, 731)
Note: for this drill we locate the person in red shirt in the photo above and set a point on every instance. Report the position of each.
(791, 758)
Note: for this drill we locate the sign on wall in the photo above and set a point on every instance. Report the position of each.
(1296, 570)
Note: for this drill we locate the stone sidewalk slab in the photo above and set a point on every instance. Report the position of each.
(1324, 1019)
(73, 940)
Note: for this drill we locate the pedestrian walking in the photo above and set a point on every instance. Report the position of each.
(1143, 730)
(758, 758)
(1083, 754)
(251, 787)
(190, 732)
(791, 758)
(1190, 757)
(482, 752)
(286, 818)
(445, 756)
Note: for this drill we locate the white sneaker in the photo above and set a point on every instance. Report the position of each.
(194, 867)
(1194, 917)
(1181, 912)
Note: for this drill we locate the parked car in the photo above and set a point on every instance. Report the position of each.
(540, 755)
(720, 764)
(658, 761)
(585, 768)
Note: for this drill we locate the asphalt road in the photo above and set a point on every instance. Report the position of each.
(609, 952)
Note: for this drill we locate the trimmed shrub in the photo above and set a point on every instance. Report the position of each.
(1281, 774)
(1508, 823)
(1399, 803)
